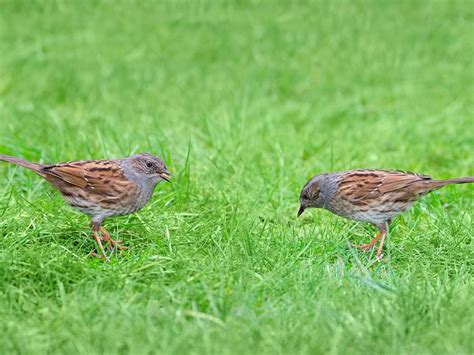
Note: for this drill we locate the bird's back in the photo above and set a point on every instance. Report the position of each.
(376, 196)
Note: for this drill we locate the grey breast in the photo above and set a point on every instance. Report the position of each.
(144, 184)
(329, 184)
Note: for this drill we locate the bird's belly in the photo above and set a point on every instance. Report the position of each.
(371, 214)
(105, 211)
(106, 206)
(95, 209)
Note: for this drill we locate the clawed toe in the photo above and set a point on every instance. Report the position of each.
(98, 256)
(115, 244)
(370, 246)
(365, 247)
(111, 244)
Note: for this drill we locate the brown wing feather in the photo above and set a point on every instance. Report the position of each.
(369, 184)
(73, 175)
(360, 189)
(393, 182)
(93, 176)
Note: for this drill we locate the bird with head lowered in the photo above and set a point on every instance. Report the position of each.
(369, 195)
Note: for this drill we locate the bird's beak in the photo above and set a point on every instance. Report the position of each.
(166, 175)
(300, 211)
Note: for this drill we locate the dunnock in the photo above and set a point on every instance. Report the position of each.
(103, 188)
(373, 196)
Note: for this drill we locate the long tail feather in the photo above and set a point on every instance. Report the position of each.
(463, 180)
(436, 184)
(24, 163)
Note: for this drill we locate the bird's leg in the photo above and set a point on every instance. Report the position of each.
(99, 242)
(95, 226)
(379, 250)
(369, 246)
(383, 228)
(110, 242)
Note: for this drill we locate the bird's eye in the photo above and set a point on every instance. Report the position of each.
(149, 164)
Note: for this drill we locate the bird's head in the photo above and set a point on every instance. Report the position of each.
(310, 196)
(149, 167)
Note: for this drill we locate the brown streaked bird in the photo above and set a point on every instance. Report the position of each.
(103, 188)
(369, 195)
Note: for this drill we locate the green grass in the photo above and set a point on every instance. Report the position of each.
(245, 100)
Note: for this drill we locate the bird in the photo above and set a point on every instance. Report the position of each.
(103, 188)
(370, 195)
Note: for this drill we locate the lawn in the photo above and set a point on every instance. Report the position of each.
(245, 101)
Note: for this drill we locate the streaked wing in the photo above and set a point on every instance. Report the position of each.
(359, 185)
(92, 176)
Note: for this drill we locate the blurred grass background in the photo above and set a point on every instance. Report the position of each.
(245, 100)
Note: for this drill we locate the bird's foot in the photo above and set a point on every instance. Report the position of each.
(365, 247)
(99, 243)
(99, 256)
(369, 246)
(111, 244)
(380, 252)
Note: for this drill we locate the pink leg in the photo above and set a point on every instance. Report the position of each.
(379, 250)
(383, 228)
(369, 246)
(99, 243)
(113, 243)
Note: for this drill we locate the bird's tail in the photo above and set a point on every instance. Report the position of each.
(24, 163)
(440, 183)
(463, 180)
